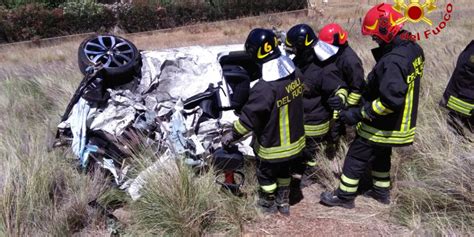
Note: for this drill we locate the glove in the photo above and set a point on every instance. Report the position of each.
(351, 116)
(228, 138)
(335, 103)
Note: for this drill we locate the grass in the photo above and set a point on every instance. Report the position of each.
(177, 202)
(41, 193)
(432, 179)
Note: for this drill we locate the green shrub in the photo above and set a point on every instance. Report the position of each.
(141, 17)
(34, 21)
(87, 17)
(18, 3)
(42, 19)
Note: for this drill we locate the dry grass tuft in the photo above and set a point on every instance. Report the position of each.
(178, 202)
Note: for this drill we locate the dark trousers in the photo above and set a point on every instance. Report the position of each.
(360, 156)
(460, 123)
(273, 175)
(308, 157)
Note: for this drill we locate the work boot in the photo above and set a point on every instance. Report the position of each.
(330, 199)
(380, 196)
(296, 194)
(283, 200)
(266, 203)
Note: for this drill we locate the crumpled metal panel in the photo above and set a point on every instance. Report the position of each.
(168, 76)
(181, 72)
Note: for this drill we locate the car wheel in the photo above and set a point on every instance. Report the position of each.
(119, 57)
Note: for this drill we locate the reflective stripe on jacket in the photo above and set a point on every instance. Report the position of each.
(352, 71)
(459, 94)
(321, 82)
(274, 113)
(392, 93)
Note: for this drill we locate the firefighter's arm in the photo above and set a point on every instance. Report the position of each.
(255, 112)
(354, 71)
(460, 97)
(335, 87)
(393, 93)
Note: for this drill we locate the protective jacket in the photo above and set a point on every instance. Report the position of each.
(390, 102)
(350, 66)
(274, 112)
(322, 81)
(459, 94)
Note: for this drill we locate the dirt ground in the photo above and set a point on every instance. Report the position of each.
(310, 218)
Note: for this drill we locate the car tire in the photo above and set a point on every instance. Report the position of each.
(119, 57)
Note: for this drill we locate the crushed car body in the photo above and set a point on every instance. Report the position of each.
(177, 101)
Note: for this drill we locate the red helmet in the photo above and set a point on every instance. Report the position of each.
(333, 34)
(380, 20)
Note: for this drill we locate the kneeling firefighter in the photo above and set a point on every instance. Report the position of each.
(459, 94)
(387, 117)
(324, 92)
(274, 113)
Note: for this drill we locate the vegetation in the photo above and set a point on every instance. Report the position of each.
(42, 194)
(28, 20)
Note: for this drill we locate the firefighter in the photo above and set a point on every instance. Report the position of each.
(324, 92)
(349, 64)
(387, 115)
(459, 94)
(274, 113)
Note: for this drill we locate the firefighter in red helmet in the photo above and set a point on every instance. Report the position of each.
(387, 115)
(350, 66)
(346, 60)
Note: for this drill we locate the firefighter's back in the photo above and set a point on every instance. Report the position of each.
(394, 86)
(282, 137)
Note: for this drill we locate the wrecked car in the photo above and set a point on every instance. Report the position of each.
(178, 102)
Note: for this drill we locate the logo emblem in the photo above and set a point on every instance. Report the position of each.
(267, 48)
(342, 36)
(306, 43)
(414, 12)
(374, 26)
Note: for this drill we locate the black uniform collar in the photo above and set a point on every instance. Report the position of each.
(386, 48)
(334, 58)
(302, 61)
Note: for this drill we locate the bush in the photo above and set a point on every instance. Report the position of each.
(3, 25)
(19, 3)
(87, 17)
(36, 21)
(142, 17)
(48, 19)
(32, 21)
